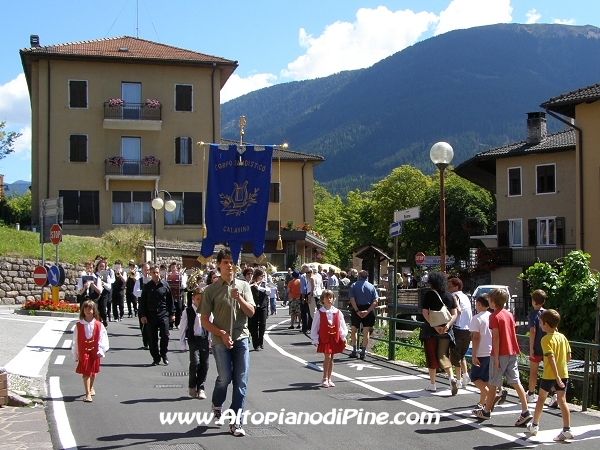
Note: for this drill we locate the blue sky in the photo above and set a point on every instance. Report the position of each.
(274, 41)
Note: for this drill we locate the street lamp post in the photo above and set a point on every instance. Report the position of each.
(441, 154)
(157, 203)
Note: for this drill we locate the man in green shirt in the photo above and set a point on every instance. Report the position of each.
(230, 302)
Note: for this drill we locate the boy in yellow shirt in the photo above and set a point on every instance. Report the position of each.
(557, 352)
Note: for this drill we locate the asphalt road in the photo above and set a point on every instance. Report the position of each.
(284, 383)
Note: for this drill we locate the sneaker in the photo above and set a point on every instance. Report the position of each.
(237, 430)
(192, 392)
(478, 407)
(553, 402)
(531, 398)
(362, 355)
(523, 418)
(331, 383)
(325, 383)
(564, 435)
(453, 386)
(353, 355)
(482, 414)
(500, 398)
(201, 394)
(533, 429)
(459, 384)
(431, 388)
(217, 415)
(291, 327)
(466, 379)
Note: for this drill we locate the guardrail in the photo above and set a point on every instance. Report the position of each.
(132, 111)
(583, 367)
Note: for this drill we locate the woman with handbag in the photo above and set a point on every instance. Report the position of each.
(439, 311)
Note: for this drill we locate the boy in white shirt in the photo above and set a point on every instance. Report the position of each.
(481, 348)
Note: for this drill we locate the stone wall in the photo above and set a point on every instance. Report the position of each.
(17, 286)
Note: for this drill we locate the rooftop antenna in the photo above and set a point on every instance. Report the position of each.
(137, 17)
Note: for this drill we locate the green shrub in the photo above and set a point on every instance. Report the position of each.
(128, 240)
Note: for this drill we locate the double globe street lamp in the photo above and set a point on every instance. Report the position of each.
(158, 203)
(441, 154)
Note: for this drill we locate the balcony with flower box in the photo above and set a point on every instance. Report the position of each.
(121, 115)
(119, 168)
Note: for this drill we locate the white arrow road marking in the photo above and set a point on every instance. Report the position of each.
(360, 366)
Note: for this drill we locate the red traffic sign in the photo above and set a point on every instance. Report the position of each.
(40, 276)
(420, 258)
(55, 234)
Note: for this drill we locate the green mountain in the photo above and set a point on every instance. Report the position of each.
(471, 88)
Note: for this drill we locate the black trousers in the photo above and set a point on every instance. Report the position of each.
(257, 325)
(117, 304)
(158, 322)
(131, 302)
(178, 308)
(103, 305)
(198, 362)
(305, 314)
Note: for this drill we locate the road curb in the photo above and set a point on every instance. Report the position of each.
(27, 312)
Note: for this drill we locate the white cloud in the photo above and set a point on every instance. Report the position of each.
(564, 21)
(237, 85)
(376, 34)
(23, 144)
(533, 16)
(15, 109)
(461, 14)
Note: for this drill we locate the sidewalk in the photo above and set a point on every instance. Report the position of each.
(24, 428)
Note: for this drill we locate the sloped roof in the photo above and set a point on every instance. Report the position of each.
(126, 49)
(481, 168)
(565, 103)
(284, 154)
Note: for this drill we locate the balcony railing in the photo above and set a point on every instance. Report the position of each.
(131, 167)
(132, 111)
(527, 256)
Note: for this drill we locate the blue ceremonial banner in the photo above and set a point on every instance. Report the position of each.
(237, 197)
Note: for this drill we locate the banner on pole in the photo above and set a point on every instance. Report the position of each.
(237, 197)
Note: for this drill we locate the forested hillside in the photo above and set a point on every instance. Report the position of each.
(471, 88)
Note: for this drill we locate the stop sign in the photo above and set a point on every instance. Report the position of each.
(420, 258)
(55, 234)
(40, 276)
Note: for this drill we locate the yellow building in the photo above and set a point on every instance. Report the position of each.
(114, 121)
(582, 107)
(533, 183)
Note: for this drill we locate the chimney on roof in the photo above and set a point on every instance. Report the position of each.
(34, 40)
(536, 127)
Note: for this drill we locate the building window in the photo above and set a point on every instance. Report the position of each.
(275, 193)
(183, 150)
(183, 97)
(515, 235)
(81, 207)
(514, 181)
(78, 94)
(77, 148)
(547, 231)
(546, 179)
(188, 210)
(131, 207)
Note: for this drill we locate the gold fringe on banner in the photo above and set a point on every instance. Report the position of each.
(202, 260)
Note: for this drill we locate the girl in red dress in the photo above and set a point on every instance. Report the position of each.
(90, 343)
(328, 334)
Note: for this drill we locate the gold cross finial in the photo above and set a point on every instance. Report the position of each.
(242, 124)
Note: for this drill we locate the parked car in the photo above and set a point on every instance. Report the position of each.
(486, 288)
